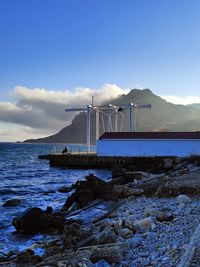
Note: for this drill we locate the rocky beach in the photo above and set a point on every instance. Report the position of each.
(140, 217)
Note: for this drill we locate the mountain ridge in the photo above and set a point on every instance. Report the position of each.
(163, 116)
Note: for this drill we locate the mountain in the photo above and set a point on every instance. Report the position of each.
(194, 105)
(163, 116)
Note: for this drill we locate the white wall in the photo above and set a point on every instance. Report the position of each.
(141, 147)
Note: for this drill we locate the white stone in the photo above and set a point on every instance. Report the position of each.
(183, 199)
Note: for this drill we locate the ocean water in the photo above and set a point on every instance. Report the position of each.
(24, 176)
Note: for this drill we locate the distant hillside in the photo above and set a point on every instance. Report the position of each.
(163, 116)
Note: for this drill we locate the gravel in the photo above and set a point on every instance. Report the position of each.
(166, 243)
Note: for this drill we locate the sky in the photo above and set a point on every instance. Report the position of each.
(56, 53)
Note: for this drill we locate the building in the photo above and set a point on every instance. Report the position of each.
(147, 144)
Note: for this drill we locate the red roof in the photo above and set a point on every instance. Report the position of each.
(151, 135)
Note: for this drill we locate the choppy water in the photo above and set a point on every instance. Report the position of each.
(24, 176)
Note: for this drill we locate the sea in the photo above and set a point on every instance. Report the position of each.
(23, 176)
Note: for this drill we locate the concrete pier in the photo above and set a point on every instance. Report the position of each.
(92, 161)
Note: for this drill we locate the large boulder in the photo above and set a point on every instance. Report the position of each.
(88, 191)
(12, 203)
(35, 220)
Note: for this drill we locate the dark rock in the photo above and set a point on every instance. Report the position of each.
(65, 189)
(105, 237)
(161, 215)
(12, 203)
(93, 214)
(111, 254)
(88, 191)
(35, 220)
(117, 170)
(74, 233)
(26, 257)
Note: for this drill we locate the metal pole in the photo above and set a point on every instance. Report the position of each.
(88, 128)
(97, 124)
(130, 117)
(116, 122)
(136, 121)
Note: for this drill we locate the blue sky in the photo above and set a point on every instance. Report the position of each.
(59, 44)
(65, 44)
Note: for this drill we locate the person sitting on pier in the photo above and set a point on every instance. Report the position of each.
(64, 150)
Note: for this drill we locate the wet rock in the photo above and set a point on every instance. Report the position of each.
(65, 189)
(35, 220)
(144, 225)
(88, 191)
(12, 203)
(183, 199)
(111, 254)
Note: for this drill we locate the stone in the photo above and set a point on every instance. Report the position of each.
(35, 220)
(167, 163)
(117, 170)
(111, 254)
(106, 237)
(126, 233)
(144, 225)
(160, 215)
(65, 189)
(135, 241)
(26, 257)
(101, 263)
(12, 203)
(88, 191)
(183, 199)
(121, 191)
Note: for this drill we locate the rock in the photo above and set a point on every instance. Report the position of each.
(135, 241)
(65, 189)
(101, 263)
(167, 163)
(26, 257)
(35, 220)
(88, 191)
(106, 237)
(144, 225)
(126, 233)
(117, 170)
(183, 199)
(160, 215)
(121, 191)
(12, 203)
(94, 213)
(111, 254)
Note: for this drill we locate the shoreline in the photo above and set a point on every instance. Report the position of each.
(125, 224)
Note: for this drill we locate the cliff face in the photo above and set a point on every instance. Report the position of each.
(163, 116)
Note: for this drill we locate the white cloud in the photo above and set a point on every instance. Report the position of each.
(40, 110)
(182, 100)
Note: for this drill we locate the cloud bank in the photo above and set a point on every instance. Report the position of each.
(40, 110)
(182, 100)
